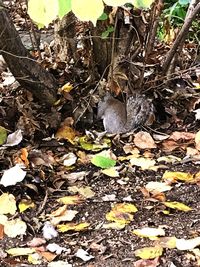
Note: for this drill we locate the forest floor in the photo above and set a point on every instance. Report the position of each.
(135, 204)
(57, 168)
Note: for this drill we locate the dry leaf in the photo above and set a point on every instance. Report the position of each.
(85, 191)
(177, 205)
(36, 242)
(82, 254)
(144, 140)
(149, 232)
(167, 242)
(15, 227)
(25, 204)
(147, 263)
(144, 163)
(114, 225)
(7, 204)
(48, 255)
(157, 187)
(12, 176)
(149, 252)
(1, 231)
(121, 213)
(20, 251)
(71, 200)
(182, 135)
(187, 244)
(111, 172)
(72, 227)
(173, 177)
(67, 133)
(197, 140)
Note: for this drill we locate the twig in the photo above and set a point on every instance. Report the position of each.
(113, 51)
(35, 43)
(43, 203)
(181, 36)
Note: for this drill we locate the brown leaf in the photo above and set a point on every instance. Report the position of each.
(48, 255)
(144, 140)
(36, 242)
(197, 140)
(181, 135)
(147, 263)
(1, 231)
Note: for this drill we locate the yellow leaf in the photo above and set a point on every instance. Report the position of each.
(66, 88)
(177, 205)
(43, 11)
(177, 176)
(111, 172)
(125, 207)
(167, 242)
(66, 132)
(149, 232)
(70, 200)
(20, 251)
(115, 2)
(88, 145)
(72, 227)
(7, 204)
(35, 259)
(121, 213)
(149, 252)
(119, 217)
(88, 10)
(26, 204)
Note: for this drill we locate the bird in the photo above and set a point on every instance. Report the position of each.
(119, 117)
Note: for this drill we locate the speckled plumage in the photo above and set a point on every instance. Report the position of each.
(121, 117)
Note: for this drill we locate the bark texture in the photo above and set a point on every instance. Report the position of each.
(26, 70)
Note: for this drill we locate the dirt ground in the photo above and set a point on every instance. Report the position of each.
(112, 247)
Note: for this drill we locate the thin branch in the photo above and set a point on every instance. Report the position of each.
(181, 36)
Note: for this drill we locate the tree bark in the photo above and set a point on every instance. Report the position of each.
(26, 70)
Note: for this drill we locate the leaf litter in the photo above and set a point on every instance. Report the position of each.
(139, 200)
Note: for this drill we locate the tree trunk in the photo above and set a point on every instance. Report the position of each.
(26, 70)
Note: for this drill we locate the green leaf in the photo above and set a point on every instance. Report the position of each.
(184, 2)
(103, 162)
(105, 34)
(104, 16)
(3, 135)
(110, 29)
(142, 3)
(64, 7)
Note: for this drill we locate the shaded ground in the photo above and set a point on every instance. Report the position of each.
(48, 179)
(116, 247)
